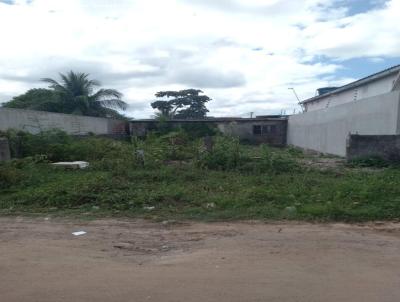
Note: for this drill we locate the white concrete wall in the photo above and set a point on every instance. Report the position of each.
(36, 121)
(371, 89)
(326, 130)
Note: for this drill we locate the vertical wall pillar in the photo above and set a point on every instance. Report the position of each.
(4, 149)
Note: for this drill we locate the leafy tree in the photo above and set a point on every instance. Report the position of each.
(184, 104)
(165, 108)
(36, 99)
(77, 94)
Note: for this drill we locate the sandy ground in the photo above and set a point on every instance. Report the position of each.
(40, 260)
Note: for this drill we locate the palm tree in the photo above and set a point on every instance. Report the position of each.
(78, 95)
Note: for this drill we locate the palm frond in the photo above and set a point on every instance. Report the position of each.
(113, 103)
(50, 81)
(54, 85)
(77, 93)
(106, 93)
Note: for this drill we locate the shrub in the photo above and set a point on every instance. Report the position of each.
(9, 176)
(199, 130)
(225, 154)
(57, 145)
(174, 146)
(369, 161)
(193, 130)
(294, 151)
(95, 148)
(51, 143)
(272, 162)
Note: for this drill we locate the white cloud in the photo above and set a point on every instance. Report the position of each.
(243, 53)
(371, 34)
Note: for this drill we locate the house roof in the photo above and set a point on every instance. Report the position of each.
(357, 83)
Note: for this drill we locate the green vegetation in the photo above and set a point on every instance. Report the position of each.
(371, 161)
(74, 94)
(182, 180)
(36, 99)
(183, 104)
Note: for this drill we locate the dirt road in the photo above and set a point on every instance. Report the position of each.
(40, 260)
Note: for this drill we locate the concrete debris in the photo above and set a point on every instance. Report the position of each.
(169, 222)
(72, 164)
(210, 205)
(79, 233)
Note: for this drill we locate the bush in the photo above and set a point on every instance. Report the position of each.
(225, 154)
(95, 148)
(199, 130)
(51, 143)
(193, 130)
(294, 151)
(9, 176)
(369, 161)
(174, 146)
(57, 145)
(271, 162)
(278, 162)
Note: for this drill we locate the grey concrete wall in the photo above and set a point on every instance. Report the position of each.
(326, 130)
(36, 121)
(384, 146)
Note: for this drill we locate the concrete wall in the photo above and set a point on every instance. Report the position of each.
(371, 89)
(326, 130)
(384, 146)
(36, 121)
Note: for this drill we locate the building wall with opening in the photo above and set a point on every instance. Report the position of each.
(255, 130)
(272, 132)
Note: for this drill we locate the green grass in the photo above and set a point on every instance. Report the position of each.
(243, 182)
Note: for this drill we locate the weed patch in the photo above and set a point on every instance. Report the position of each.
(180, 178)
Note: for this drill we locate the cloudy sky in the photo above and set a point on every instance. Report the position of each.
(245, 54)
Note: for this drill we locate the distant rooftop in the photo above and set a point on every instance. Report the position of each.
(357, 83)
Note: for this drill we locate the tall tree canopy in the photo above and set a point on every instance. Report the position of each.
(75, 94)
(36, 99)
(184, 104)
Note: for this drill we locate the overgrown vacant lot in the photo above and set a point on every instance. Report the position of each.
(179, 179)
